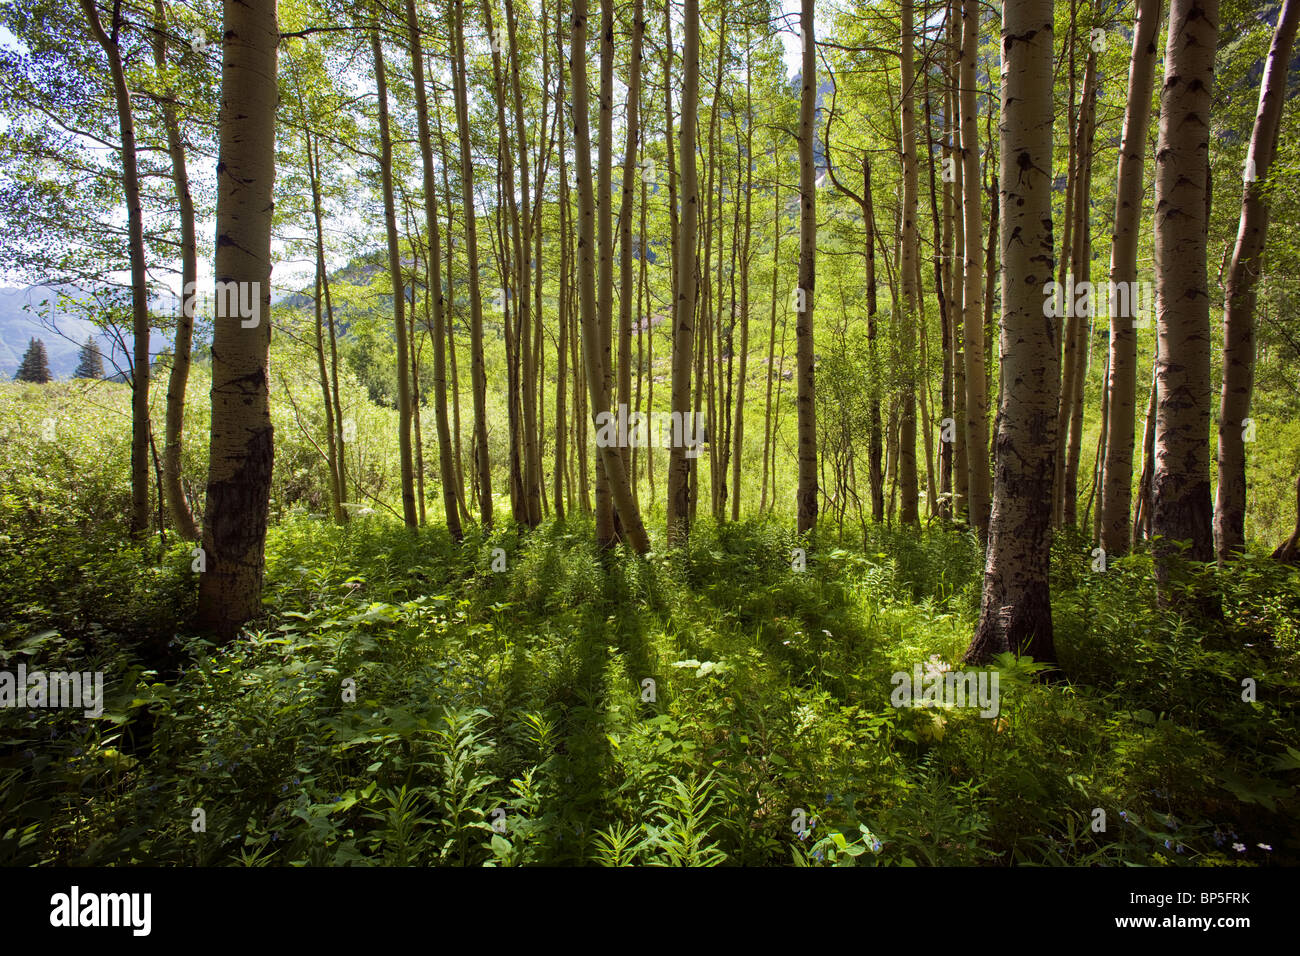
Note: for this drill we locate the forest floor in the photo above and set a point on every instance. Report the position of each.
(403, 702)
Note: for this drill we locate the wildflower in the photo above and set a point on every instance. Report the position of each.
(1264, 846)
(1239, 847)
(875, 845)
(1123, 815)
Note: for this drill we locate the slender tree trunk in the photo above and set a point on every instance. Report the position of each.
(923, 394)
(478, 372)
(337, 491)
(674, 227)
(907, 477)
(1095, 489)
(961, 451)
(947, 273)
(399, 293)
(437, 328)
(990, 273)
(595, 344)
(173, 442)
(529, 324)
(562, 296)
(739, 432)
(679, 500)
(1239, 293)
(335, 396)
(140, 426)
(1081, 256)
(1072, 339)
(1016, 611)
(875, 443)
(644, 366)
(1142, 510)
(806, 515)
(413, 338)
(1117, 471)
(626, 280)
(771, 343)
(977, 434)
(242, 450)
(1181, 510)
(510, 270)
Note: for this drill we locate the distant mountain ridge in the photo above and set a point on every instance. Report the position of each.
(25, 315)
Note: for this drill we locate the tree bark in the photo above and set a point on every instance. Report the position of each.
(140, 426)
(1072, 339)
(1015, 611)
(1239, 293)
(594, 342)
(478, 372)
(626, 280)
(1117, 471)
(907, 474)
(977, 434)
(241, 450)
(173, 442)
(1181, 510)
(738, 434)
(409, 517)
(437, 328)
(332, 445)
(530, 324)
(679, 498)
(806, 515)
